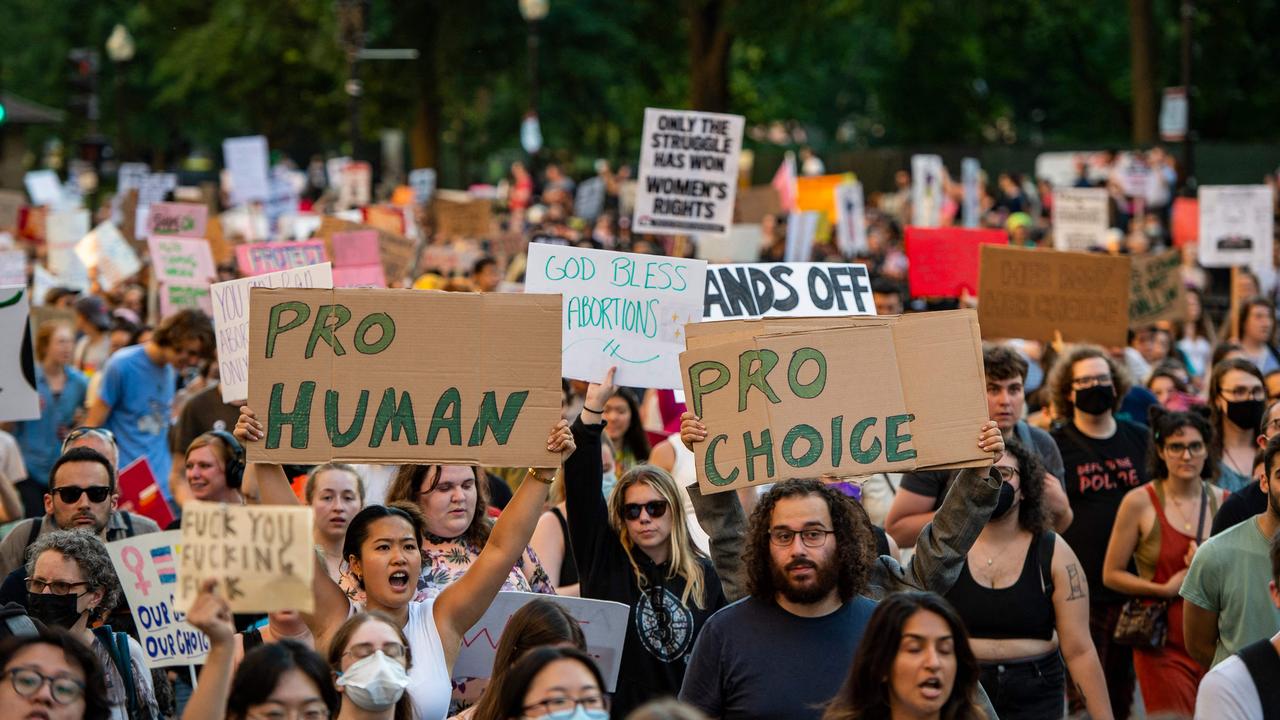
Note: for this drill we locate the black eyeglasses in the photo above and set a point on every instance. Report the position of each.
(56, 587)
(1008, 473)
(783, 537)
(27, 682)
(71, 494)
(80, 432)
(655, 508)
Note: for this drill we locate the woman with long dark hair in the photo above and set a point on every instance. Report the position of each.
(540, 623)
(621, 414)
(1237, 401)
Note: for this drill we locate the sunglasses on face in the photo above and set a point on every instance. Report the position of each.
(655, 508)
(70, 495)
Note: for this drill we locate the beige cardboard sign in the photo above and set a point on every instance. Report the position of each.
(398, 253)
(1031, 293)
(394, 376)
(260, 554)
(842, 397)
(11, 202)
(473, 219)
(753, 203)
(1158, 292)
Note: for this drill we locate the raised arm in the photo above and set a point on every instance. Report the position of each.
(585, 506)
(273, 485)
(211, 615)
(722, 518)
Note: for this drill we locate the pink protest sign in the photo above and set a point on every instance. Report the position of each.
(177, 220)
(182, 261)
(352, 249)
(359, 276)
(259, 258)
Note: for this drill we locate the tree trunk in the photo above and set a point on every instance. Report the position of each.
(709, 43)
(424, 140)
(1142, 72)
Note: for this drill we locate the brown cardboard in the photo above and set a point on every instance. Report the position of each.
(472, 219)
(753, 203)
(1031, 293)
(11, 202)
(398, 253)
(1157, 292)
(921, 373)
(223, 252)
(129, 220)
(488, 347)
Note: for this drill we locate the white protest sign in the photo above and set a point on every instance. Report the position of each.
(1236, 226)
(603, 622)
(261, 555)
(423, 181)
(106, 249)
(620, 309)
(743, 244)
(44, 187)
(1080, 218)
(927, 174)
(231, 320)
(18, 397)
(802, 227)
(246, 161)
(970, 177)
(62, 231)
(588, 202)
(851, 224)
(147, 566)
(13, 267)
(787, 290)
(688, 172)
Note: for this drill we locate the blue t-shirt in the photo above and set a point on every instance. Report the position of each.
(41, 439)
(140, 394)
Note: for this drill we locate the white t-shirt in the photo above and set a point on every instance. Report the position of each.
(1227, 692)
(429, 686)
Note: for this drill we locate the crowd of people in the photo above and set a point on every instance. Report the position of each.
(1119, 553)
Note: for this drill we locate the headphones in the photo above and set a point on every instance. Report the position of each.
(235, 465)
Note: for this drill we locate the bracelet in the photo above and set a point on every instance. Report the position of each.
(538, 477)
(598, 412)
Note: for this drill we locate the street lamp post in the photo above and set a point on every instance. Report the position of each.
(1188, 16)
(533, 12)
(120, 49)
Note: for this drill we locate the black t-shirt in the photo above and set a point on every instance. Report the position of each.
(1239, 507)
(1098, 473)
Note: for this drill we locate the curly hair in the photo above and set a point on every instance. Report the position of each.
(1164, 423)
(855, 545)
(1002, 362)
(1031, 513)
(186, 325)
(413, 480)
(89, 554)
(1062, 374)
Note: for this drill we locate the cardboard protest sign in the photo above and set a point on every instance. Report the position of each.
(261, 556)
(381, 217)
(63, 231)
(18, 397)
(259, 258)
(1236, 225)
(603, 622)
(231, 321)
(355, 183)
(469, 219)
(13, 267)
(588, 202)
(927, 174)
(176, 298)
(246, 161)
(753, 203)
(1184, 225)
(399, 254)
(1080, 218)
(851, 222)
(356, 260)
(339, 375)
(451, 258)
(842, 397)
(688, 172)
(1031, 293)
(11, 203)
(787, 290)
(742, 244)
(147, 566)
(1157, 292)
(106, 250)
(944, 261)
(620, 309)
(187, 220)
(817, 193)
(140, 494)
(181, 261)
(423, 181)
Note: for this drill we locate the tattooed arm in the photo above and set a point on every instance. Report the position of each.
(1071, 609)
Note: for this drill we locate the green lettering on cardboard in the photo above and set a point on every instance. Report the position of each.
(490, 420)
(381, 320)
(447, 416)
(808, 432)
(837, 440)
(869, 455)
(337, 436)
(274, 328)
(698, 388)
(764, 361)
(398, 416)
(814, 387)
(299, 420)
(753, 451)
(893, 441)
(321, 329)
(709, 464)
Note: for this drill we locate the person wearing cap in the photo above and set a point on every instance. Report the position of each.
(94, 346)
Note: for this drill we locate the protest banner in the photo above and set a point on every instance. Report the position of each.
(1157, 291)
(11, 202)
(787, 290)
(423, 181)
(63, 231)
(802, 230)
(817, 193)
(742, 244)
(18, 397)
(462, 219)
(620, 309)
(356, 260)
(970, 179)
(261, 556)
(259, 258)
(246, 161)
(1236, 225)
(774, 394)
(603, 622)
(340, 375)
(13, 267)
(181, 261)
(927, 174)
(1080, 217)
(851, 224)
(140, 494)
(688, 172)
(147, 566)
(188, 220)
(106, 250)
(399, 254)
(943, 262)
(1029, 294)
(1184, 225)
(231, 321)
(44, 188)
(753, 203)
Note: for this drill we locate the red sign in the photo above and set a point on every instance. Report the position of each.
(1185, 224)
(140, 494)
(944, 261)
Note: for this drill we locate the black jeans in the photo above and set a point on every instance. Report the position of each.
(1033, 689)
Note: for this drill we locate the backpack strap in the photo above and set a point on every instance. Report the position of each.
(117, 645)
(1263, 663)
(33, 534)
(128, 523)
(1048, 543)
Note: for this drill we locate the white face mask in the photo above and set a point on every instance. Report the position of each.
(375, 682)
(607, 482)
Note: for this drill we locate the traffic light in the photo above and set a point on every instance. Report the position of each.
(82, 76)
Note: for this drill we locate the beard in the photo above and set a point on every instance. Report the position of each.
(825, 579)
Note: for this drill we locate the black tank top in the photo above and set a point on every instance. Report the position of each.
(1022, 610)
(568, 564)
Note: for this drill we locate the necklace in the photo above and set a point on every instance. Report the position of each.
(1176, 503)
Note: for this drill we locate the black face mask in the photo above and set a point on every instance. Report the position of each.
(1005, 502)
(53, 610)
(1246, 413)
(1096, 400)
